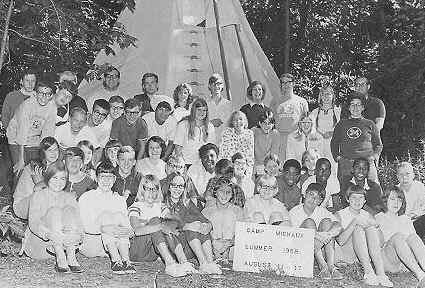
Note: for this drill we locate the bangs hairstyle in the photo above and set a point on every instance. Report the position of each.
(74, 152)
(105, 167)
(354, 189)
(110, 69)
(251, 86)
(198, 103)
(304, 118)
(222, 182)
(261, 180)
(87, 144)
(320, 103)
(405, 165)
(179, 89)
(126, 150)
(272, 157)
(224, 167)
(116, 99)
(184, 197)
(45, 144)
(110, 144)
(291, 163)
(158, 140)
(317, 188)
(232, 117)
(400, 195)
(149, 74)
(52, 170)
(152, 179)
(309, 152)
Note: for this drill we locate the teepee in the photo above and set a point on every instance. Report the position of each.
(179, 41)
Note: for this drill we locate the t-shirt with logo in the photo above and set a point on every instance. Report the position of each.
(289, 113)
(354, 138)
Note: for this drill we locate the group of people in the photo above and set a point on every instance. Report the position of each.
(135, 178)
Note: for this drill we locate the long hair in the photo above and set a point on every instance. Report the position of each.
(179, 89)
(45, 144)
(141, 190)
(51, 171)
(199, 102)
(299, 133)
(320, 102)
(184, 198)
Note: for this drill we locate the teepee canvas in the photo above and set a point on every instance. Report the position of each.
(178, 40)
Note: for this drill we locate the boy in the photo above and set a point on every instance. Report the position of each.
(117, 108)
(127, 179)
(105, 222)
(97, 121)
(360, 171)
(414, 191)
(311, 215)
(33, 120)
(240, 175)
(130, 129)
(289, 193)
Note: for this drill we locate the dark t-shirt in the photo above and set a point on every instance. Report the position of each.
(130, 183)
(128, 134)
(373, 108)
(288, 195)
(253, 113)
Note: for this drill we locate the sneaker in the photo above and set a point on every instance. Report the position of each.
(117, 268)
(210, 268)
(370, 279)
(175, 270)
(188, 268)
(336, 275)
(325, 274)
(128, 268)
(384, 281)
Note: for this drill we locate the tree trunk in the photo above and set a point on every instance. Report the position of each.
(5, 34)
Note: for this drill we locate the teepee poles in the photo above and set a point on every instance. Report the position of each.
(5, 33)
(243, 54)
(221, 46)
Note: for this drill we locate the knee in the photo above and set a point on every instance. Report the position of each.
(325, 224)
(398, 238)
(258, 217)
(155, 221)
(358, 230)
(309, 224)
(276, 217)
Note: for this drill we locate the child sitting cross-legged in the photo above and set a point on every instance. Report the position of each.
(401, 243)
(195, 226)
(153, 236)
(223, 216)
(263, 208)
(359, 239)
(311, 215)
(105, 221)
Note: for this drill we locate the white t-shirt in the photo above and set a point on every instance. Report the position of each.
(415, 199)
(144, 211)
(298, 215)
(222, 111)
(392, 225)
(289, 114)
(66, 139)
(166, 131)
(102, 132)
(258, 204)
(332, 187)
(103, 94)
(200, 177)
(180, 112)
(156, 99)
(191, 146)
(145, 166)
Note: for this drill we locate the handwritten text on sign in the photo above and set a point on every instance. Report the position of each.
(261, 247)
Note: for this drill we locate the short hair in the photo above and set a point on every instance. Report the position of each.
(86, 143)
(74, 152)
(207, 147)
(287, 75)
(361, 159)
(272, 157)
(105, 167)
(400, 195)
(52, 169)
(110, 144)
(237, 156)
(354, 189)
(110, 69)
(260, 181)
(45, 144)
(405, 165)
(29, 71)
(131, 103)
(164, 104)
(311, 152)
(45, 83)
(215, 78)
(178, 90)
(158, 140)
(362, 77)
(251, 86)
(291, 163)
(102, 103)
(149, 74)
(149, 178)
(318, 188)
(76, 110)
(68, 86)
(116, 99)
(223, 181)
(321, 161)
(224, 167)
(67, 73)
(356, 95)
(126, 150)
(233, 115)
(266, 115)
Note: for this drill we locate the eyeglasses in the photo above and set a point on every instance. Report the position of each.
(106, 176)
(150, 189)
(99, 114)
(268, 188)
(202, 109)
(179, 186)
(132, 113)
(113, 76)
(45, 94)
(117, 108)
(356, 105)
(175, 166)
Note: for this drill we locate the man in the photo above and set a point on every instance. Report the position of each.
(111, 83)
(130, 129)
(202, 172)
(15, 98)
(74, 131)
(219, 108)
(66, 99)
(161, 124)
(97, 121)
(289, 112)
(150, 88)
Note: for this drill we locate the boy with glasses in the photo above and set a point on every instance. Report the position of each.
(98, 123)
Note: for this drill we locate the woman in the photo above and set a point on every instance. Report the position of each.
(152, 163)
(32, 175)
(255, 93)
(303, 139)
(193, 131)
(238, 138)
(183, 98)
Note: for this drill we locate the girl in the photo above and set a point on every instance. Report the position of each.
(256, 92)
(272, 165)
(32, 175)
(359, 239)
(196, 228)
(223, 216)
(111, 151)
(304, 138)
(153, 236)
(401, 243)
(54, 221)
(193, 131)
(308, 162)
(183, 98)
(153, 164)
(238, 138)
(240, 175)
(88, 166)
(79, 182)
(266, 140)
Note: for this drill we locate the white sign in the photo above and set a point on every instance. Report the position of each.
(260, 247)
